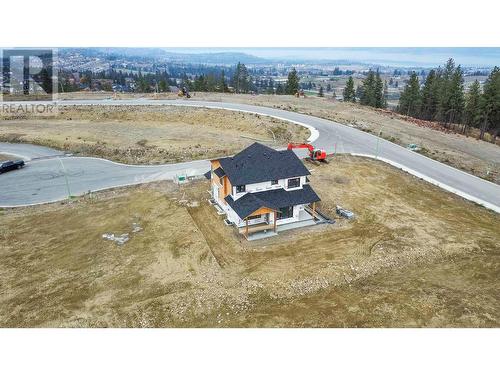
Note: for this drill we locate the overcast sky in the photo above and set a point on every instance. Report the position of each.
(389, 56)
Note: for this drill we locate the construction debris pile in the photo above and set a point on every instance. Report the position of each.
(119, 240)
(123, 238)
(344, 213)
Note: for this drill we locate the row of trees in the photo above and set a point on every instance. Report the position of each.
(209, 80)
(242, 82)
(442, 98)
(371, 92)
(149, 82)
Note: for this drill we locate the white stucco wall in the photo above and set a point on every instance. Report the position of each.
(292, 219)
(262, 186)
(253, 188)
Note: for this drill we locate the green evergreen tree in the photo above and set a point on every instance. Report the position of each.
(210, 82)
(491, 105)
(430, 93)
(349, 93)
(445, 92)
(378, 92)
(456, 99)
(386, 95)
(292, 84)
(321, 92)
(163, 85)
(473, 106)
(359, 92)
(368, 90)
(410, 100)
(280, 90)
(222, 82)
(45, 80)
(372, 90)
(241, 79)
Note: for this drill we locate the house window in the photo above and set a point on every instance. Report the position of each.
(240, 188)
(274, 182)
(293, 182)
(285, 212)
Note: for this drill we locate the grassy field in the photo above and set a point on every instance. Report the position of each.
(149, 135)
(414, 257)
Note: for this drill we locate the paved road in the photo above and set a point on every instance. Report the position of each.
(20, 151)
(44, 180)
(92, 174)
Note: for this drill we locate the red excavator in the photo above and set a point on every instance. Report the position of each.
(314, 155)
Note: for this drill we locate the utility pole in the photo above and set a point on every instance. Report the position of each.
(378, 141)
(65, 178)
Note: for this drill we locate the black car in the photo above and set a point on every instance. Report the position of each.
(10, 165)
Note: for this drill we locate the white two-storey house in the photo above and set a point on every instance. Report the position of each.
(261, 188)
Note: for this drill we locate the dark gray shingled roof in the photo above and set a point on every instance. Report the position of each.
(273, 199)
(219, 172)
(247, 204)
(259, 163)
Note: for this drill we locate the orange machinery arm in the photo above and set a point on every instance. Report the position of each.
(301, 145)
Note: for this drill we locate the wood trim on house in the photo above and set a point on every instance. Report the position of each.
(227, 187)
(215, 164)
(262, 211)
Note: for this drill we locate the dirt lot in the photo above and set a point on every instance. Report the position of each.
(137, 135)
(415, 256)
(467, 153)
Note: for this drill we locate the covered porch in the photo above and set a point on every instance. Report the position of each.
(266, 222)
(308, 216)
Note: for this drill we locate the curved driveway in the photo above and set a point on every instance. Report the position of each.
(43, 180)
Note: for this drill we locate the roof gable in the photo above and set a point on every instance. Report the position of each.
(259, 163)
(273, 199)
(247, 205)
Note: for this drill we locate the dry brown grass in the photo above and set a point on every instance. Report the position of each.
(148, 135)
(467, 153)
(415, 256)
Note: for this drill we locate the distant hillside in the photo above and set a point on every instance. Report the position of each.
(217, 58)
(160, 53)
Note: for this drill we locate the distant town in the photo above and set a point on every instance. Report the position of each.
(129, 70)
(455, 95)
